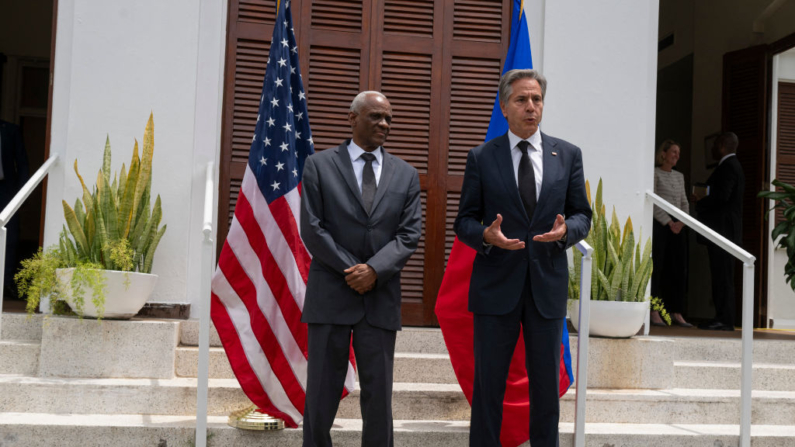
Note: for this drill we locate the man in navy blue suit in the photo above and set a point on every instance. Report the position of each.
(523, 203)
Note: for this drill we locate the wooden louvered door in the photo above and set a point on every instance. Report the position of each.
(745, 90)
(785, 137)
(438, 62)
(249, 30)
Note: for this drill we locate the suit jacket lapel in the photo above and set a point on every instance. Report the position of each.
(387, 170)
(551, 167)
(343, 162)
(502, 152)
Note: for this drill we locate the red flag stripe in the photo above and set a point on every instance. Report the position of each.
(240, 365)
(281, 237)
(252, 350)
(271, 272)
(243, 288)
(262, 298)
(293, 199)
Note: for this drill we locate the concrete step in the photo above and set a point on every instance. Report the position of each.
(19, 326)
(697, 349)
(726, 376)
(409, 367)
(42, 429)
(411, 401)
(19, 357)
(410, 339)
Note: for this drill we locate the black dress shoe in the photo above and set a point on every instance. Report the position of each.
(715, 326)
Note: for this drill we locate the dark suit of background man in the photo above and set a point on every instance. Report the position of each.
(361, 221)
(523, 203)
(722, 210)
(13, 174)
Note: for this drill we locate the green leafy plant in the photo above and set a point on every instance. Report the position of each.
(657, 304)
(113, 227)
(785, 201)
(619, 271)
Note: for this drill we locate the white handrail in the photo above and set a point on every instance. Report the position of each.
(748, 306)
(204, 309)
(11, 208)
(581, 381)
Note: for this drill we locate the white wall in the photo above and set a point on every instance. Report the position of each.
(781, 298)
(115, 62)
(601, 62)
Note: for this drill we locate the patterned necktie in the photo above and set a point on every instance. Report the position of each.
(368, 181)
(527, 181)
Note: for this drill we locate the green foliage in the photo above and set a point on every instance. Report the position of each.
(619, 272)
(112, 227)
(785, 201)
(37, 279)
(657, 304)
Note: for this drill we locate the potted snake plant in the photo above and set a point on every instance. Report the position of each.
(620, 272)
(102, 264)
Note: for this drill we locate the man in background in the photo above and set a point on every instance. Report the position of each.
(722, 210)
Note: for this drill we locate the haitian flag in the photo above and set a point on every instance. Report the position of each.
(451, 304)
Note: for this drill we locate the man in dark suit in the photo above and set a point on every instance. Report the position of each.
(361, 221)
(523, 203)
(722, 210)
(13, 174)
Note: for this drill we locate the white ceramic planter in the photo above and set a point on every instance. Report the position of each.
(613, 319)
(126, 293)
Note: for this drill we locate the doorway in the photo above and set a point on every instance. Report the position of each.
(26, 54)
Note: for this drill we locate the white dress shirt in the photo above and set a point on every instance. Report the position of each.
(358, 163)
(724, 158)
(536, 154)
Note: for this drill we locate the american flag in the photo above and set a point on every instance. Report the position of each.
(259, 285)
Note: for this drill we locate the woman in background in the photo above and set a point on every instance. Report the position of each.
(669, 252)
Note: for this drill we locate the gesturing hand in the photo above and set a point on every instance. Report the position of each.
(557, 232)
(361, 278)
(493, 235)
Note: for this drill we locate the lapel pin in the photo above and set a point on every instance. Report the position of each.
(555, 154)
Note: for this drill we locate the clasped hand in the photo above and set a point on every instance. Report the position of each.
(493, 234)
(361, 278)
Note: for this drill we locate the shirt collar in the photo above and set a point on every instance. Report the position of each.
(724, 158)
(355, 152)
(534, 140)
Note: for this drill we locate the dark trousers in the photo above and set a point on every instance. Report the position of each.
(494, 342)
(669, 276)
(721, 267)
(329, 346)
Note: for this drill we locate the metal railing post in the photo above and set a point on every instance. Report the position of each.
(582, 343)
(3, 235)
(203, 376)
(748, 353)
(748, 307)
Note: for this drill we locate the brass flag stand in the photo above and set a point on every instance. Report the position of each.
(252, 418)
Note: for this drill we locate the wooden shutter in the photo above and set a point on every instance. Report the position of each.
(785, 137)
(249, 30)
(745, 81)
(438, 62)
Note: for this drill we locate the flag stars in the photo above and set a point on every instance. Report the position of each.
(267, 141)
(311, 142)
(279, 166)
(275, 103)
(285, 43)
(258, 117)
(287, 127)
(290, 108)
(294, 50)
(282, 62)
(302, 96)
(254, 138)
(271, 121)
(278, 82)
(285, 147)
(292, 70)
(300, 116)
(298, 135)
(275, 185)
(295, 171)
(285, 23)
(263, 161)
